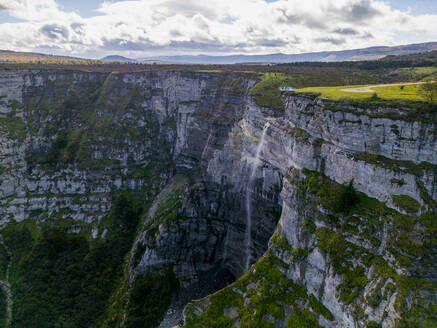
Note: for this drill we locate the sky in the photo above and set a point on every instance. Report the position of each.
(146, 28)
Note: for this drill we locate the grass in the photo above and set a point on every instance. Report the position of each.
(266, 92)
(408, 92)
(408, 167)
(406, 203)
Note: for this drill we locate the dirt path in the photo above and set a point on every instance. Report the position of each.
(370, 87)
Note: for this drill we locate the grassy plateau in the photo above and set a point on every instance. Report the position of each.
(404, 91)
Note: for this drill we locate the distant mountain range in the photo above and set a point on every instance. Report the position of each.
(324, 56)
(371, 53)
(117, 58)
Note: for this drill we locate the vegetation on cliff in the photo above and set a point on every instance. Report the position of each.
(64, 279)
(266, 92)
(347, 230)
(150, 296)
(257, 299)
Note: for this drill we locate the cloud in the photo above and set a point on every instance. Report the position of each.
(54, 31)
(36, 10)
(334, 41)
(272, 43)
(301, 19)
(141, 28)
(363, 10)
(346, 31)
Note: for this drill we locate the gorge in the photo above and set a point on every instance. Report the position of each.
(166, 198)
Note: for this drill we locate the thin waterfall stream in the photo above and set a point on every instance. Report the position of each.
(248, 236)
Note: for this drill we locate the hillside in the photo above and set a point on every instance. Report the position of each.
(14, 57)
(116, 58)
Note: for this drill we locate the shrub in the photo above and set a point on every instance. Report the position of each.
(334, 197)
(302, 319)
(373, 324)
(3, 307)
(320, 308)
(428, 91)
(333, 244)
(309, 225)
(406, 203)
(299, 134)
(150, 297)
(399, 182)
(281, 242)
(348, 197)
(298, 253)
(354, 281)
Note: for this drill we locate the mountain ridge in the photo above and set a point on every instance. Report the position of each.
(370, 53)
(117, 58)
(361, 54)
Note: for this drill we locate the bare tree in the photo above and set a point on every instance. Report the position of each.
(428, 91)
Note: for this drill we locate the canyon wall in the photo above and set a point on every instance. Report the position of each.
(331, 205)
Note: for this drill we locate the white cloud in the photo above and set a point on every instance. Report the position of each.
(147, 27)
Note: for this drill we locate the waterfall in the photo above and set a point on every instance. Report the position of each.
(248, 236)
(225, 246)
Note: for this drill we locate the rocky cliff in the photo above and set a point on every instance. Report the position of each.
(132, 194)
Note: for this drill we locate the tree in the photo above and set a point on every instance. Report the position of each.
(349, 197)
(428, 91)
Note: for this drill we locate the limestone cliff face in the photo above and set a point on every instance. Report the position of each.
(220, 175)
(385, 158)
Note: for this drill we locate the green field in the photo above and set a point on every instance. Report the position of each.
(407, 92)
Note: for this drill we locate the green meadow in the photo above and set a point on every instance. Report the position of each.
(403, 92)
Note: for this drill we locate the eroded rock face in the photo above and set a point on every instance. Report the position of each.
(310, 140)
(70, 140)
(190, 144)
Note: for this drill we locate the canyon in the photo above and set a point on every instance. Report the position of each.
(170, 198)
